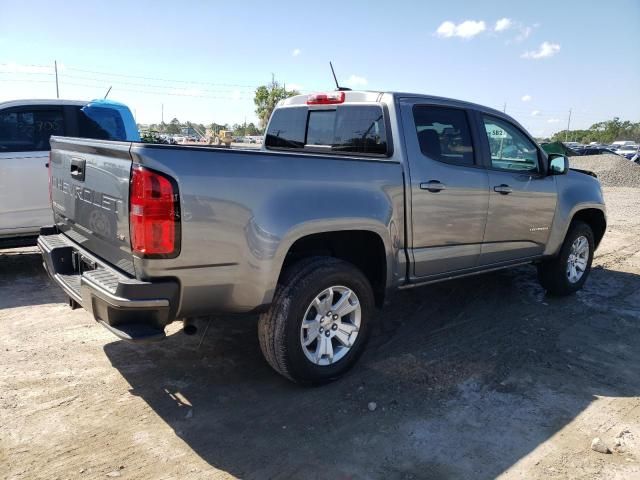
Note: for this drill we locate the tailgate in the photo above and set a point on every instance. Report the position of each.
(90, 196)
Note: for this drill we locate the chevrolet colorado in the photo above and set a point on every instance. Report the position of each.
(353, 194)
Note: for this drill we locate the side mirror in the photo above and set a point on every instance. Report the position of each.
(558, 164)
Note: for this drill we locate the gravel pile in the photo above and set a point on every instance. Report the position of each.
(612, 170)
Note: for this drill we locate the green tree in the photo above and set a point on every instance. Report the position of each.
(267, 97)
(251, 129)
(602, 132)
(174, 127)
(238, 130)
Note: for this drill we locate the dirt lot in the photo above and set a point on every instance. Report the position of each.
(476, 378)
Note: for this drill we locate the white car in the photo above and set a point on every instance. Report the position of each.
(622, 143)
(628, 151)
(25, 128)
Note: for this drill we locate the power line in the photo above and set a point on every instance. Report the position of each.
(13, 65)
(136, 84)
(161, 79)
(26, 73)
(65, 68)
(24, 81)
(101, 86)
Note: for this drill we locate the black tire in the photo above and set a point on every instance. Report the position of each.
(552, 273)
(279, 328)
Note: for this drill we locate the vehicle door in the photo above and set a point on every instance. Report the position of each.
(448, 188)
(522, 197)
(24, 153)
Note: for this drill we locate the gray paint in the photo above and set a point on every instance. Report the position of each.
(241, 211)
(447, 226)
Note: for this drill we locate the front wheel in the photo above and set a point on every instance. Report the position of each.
(567, 273)
(319, 321)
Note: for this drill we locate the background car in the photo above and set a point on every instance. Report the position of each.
(594, 151)
(25, 128)
(628, 151)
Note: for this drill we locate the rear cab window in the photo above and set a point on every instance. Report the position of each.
(343, 129)
(101, 123)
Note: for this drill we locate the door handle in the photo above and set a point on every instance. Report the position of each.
(503, 189)
(433, 186)
(77, 168)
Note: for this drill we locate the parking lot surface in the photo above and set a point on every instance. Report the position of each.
(477, 378)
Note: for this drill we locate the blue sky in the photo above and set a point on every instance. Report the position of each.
(540, 58)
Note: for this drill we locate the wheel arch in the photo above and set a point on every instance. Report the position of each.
(369, 249)
(589, 212)
(596, 219)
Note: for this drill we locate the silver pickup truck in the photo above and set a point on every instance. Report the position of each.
(353, 195)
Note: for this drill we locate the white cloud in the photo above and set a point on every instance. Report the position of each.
(503, 24)
(296, 52)
(535, 113)
(526, 98)
(546, 50)
(446, 29)
(553, 120)
(356, 81)
(466, 29)
(522, 31)
(525, 31)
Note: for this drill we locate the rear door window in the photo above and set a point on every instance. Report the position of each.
(358, 129)
(444, 134)
(28, 130)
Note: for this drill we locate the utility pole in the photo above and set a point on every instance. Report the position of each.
(566, 136)
(55, 67)
(162, 114)
(504, 108)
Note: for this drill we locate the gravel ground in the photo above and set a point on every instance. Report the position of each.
(612, 170)
(479, 378)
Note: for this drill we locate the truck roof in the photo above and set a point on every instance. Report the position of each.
(44, 101)
(372, 96)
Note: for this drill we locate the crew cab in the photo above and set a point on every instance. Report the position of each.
(25, 128)
(353, 194)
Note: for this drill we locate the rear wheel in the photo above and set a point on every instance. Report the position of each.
(319, 321)
(567, 273)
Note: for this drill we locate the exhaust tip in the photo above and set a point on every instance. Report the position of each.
(190, 328)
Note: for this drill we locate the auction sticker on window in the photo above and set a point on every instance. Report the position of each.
(495, 132)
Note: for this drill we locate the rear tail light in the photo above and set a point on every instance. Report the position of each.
(325, 98)
(154, 214)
